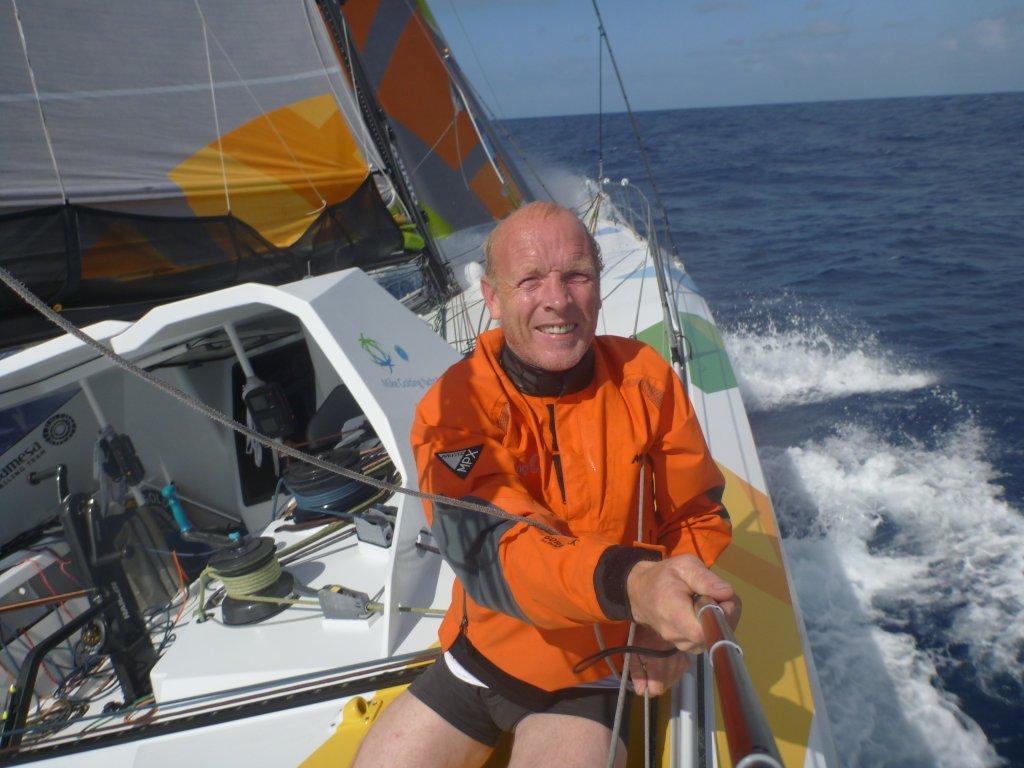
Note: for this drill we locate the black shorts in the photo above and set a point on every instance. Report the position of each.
(482, 713)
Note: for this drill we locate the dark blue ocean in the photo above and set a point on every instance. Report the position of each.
(865, 261)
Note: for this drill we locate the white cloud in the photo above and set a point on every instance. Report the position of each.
(812, 31)
(992, 34)
(715, 6)
(813, 59)
(825, 29)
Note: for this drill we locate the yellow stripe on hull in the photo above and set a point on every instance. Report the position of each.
(769, 630)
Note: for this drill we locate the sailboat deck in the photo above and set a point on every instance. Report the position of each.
(209, 656)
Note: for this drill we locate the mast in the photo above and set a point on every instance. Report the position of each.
(383, 138)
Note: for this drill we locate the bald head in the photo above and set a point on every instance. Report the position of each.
(543, 284)
(528, 216)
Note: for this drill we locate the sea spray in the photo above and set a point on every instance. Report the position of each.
(901, 551)
(806, 364)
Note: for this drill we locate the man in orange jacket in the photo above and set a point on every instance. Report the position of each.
(595, 438)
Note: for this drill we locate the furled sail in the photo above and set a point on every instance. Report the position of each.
(154, 150)
(447, 144)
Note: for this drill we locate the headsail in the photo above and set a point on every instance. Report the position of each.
(450, 150)
(163, 149)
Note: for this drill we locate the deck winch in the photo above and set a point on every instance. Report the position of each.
(256, 585)
(318, 492)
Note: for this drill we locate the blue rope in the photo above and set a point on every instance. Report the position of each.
(277, 490)
(316, 502)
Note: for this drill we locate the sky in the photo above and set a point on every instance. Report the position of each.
(539, 57)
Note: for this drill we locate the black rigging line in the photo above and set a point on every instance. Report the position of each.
(636, 130)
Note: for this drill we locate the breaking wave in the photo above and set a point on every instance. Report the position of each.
(909, 567)
(807, 365)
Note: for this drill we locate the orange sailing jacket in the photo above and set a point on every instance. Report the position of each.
(524, 599)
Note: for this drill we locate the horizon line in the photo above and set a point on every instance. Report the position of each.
(767, 104)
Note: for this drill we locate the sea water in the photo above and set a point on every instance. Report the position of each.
(865, 261)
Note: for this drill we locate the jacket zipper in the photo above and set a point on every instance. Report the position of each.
(555, 457)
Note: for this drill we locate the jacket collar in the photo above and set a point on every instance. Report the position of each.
(537, 382)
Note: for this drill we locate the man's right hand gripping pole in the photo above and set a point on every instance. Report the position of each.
(661, 596)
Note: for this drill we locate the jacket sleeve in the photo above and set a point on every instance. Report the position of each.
(691, 518)
(548, 580)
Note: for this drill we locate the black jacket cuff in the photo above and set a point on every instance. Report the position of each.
(610, 579)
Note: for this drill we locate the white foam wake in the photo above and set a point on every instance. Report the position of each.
(807, 365)
(566, 186)
(892, 535)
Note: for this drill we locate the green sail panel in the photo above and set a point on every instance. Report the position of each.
(709, 367)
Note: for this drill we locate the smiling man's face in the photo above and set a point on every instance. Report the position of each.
(544, 286)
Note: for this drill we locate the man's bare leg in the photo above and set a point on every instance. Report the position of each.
(412, 735)
(566, 741)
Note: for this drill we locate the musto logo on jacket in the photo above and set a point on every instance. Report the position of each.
(461, 462)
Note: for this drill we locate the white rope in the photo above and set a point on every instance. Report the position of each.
(647, 683)
(603, 647)
(722, 644)
(287, 147)
(39, 104)
(464, 107)
(624, 677)
(621, 700)
(483, 72)
(480, 135)
(432, 147)
(216, 116)
(647, 727)
(490, 113)
(640, 296)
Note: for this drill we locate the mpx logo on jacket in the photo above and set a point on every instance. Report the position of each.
(461, 462)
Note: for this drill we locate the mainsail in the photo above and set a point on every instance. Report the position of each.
(155, 150)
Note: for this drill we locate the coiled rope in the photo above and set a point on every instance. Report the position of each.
(212, 413)
(247, 586)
